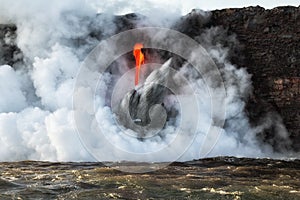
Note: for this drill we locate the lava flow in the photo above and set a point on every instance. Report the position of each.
(139, 60)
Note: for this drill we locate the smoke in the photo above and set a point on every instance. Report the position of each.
(36, 116)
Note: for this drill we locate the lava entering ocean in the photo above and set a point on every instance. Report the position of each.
(35, 120)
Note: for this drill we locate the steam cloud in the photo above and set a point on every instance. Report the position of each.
(36, 116)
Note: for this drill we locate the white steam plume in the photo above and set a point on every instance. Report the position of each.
(36, 117)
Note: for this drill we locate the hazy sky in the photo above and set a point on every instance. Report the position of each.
(217, 4)
(183, 6)
(187, 5)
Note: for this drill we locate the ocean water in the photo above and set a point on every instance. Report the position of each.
(211, 178)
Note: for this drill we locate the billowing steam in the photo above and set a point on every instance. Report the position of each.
(36, 115)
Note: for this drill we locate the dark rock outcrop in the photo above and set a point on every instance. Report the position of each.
(271, 53)
(9, 53)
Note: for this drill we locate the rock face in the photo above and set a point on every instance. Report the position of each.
(9, 53)
(144, 104)
(271, 50)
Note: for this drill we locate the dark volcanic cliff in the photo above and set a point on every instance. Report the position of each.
(271, 53)
(270, 41)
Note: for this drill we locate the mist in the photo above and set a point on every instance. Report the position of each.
(36, 106)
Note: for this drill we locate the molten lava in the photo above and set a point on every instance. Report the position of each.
(139, 60)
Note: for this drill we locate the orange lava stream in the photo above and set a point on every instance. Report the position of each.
(139, 60)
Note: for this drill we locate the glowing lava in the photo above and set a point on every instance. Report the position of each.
(139, 60)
